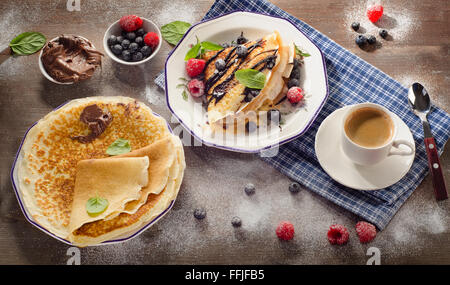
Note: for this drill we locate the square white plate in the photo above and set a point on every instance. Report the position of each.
(226, 28)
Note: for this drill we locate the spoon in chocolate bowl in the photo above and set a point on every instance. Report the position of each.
(420, 102)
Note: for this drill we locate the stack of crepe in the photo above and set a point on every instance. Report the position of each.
(231, 106)
(58, 174)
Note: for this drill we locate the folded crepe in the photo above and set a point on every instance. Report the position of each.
(119, 181)
(124, 224)
(226, 95)
(161, 155)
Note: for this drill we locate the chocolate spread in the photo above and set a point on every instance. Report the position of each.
(97, 121)
(70, 59)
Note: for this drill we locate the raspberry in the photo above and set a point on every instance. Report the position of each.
(338, 234)
(374, 13)
(366, 232)
(194, 67)
(295, 95)
(196, 87)
(130, 23)
(285, 231)
(151, 39)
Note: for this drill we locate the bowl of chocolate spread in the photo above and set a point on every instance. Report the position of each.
(68, 59)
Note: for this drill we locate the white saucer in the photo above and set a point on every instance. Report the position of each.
(343, 170)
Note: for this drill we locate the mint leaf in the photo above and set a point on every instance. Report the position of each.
(251, 78)
(97, 205)
(174, 31)
(299, 52)
(119, 146)
(211, 46)
(27, 43)
(193, 52)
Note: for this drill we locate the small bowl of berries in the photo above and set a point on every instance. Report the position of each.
(132, 40)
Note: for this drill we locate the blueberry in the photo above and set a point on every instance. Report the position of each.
(294, 187)
(126, 55)
(199, 213)
(274, 115)
(361, 40)
(124, 33)
(371, 40)
(248, 98)
(146, 50)
(137, 56)
(117, 49)
(220, 64)
(295, 73)
(112, 40)
(119, 39)
(241, 39)
(271, 63)
(249, 189)
(131, 36)
(241, 51)
(383, 33)
(296, 63)
(225, 45)
(134, 47)
(293, 83)
(254, 92)
(125, 43)
(236, 222)
(140, 32)
(355, 26)
(139, 41)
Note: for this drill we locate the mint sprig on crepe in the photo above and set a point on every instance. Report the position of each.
(96, 205)
(251, 78)
(119, 146)
(299, 52)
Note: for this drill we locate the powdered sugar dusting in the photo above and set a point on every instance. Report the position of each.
(399, 22)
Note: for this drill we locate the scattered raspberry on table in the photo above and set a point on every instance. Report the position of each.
(338, 234)
(374, 13)
(366, 231)
(285, 230)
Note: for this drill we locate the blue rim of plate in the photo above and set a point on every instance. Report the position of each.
(31, 221)
(308, 125)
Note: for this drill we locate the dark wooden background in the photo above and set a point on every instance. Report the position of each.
(419, 52)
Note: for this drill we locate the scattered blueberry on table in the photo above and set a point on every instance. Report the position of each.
(249, 189)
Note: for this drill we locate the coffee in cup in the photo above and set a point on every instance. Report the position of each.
(368, 134)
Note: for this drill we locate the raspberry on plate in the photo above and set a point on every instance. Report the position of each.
(338, 234)
(151, 39)
(374, 13)
(285, 230)
(366, 231)
(130, 23)
(295, 95)
(194, 67)
(196, 87)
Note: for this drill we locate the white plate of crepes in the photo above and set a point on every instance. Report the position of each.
(245, 82)
(98, 170)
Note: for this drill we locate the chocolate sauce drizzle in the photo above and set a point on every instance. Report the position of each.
(219, 91)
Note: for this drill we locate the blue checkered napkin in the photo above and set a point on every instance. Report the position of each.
(351, 80)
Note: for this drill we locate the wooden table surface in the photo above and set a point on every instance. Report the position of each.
(419, 233)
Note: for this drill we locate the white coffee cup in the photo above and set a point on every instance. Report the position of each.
(364, 155)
